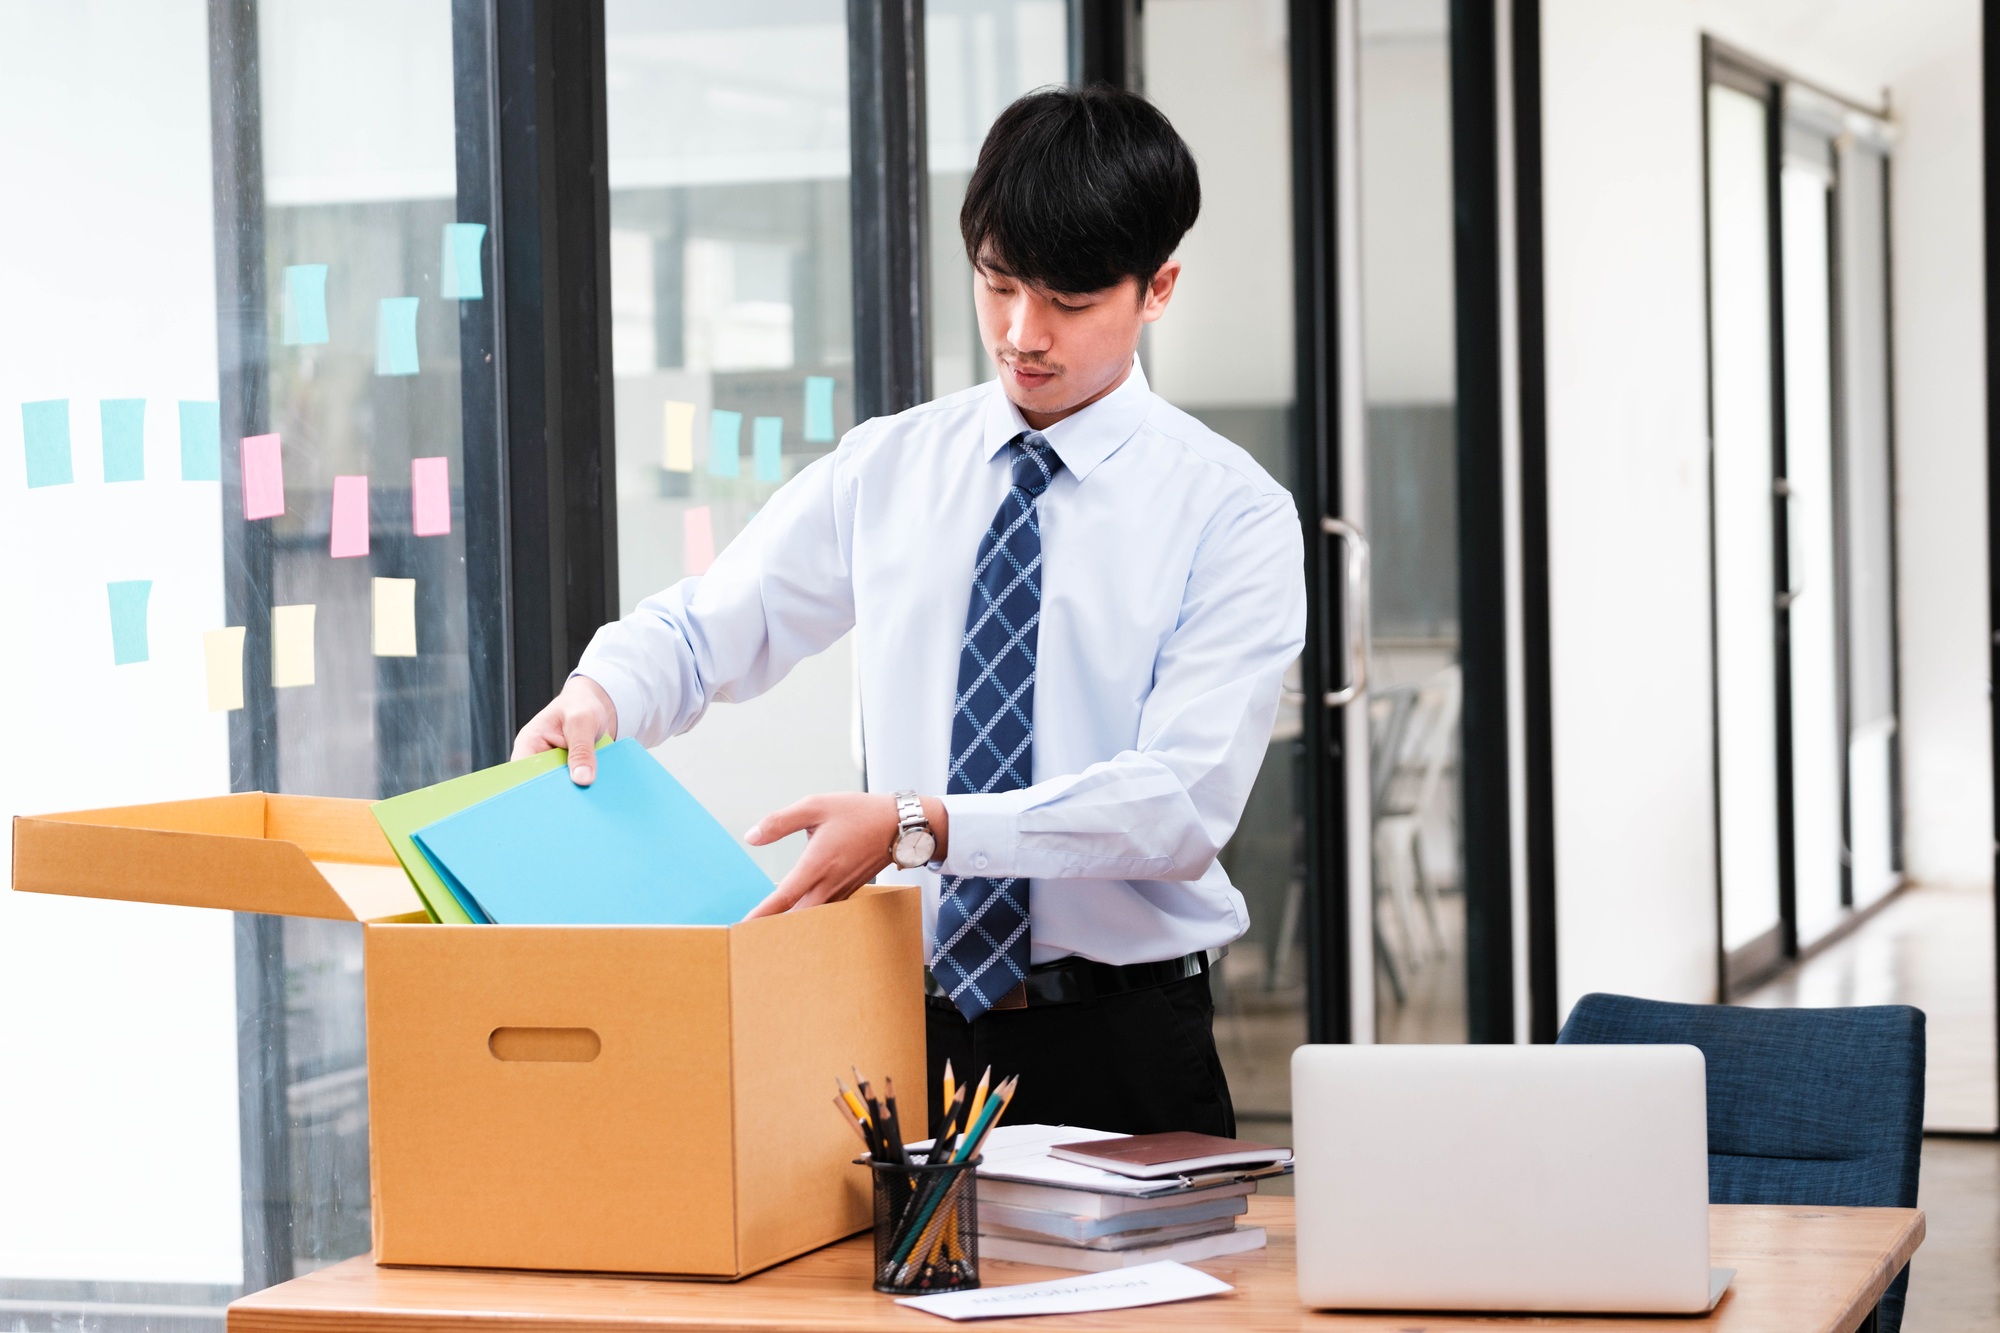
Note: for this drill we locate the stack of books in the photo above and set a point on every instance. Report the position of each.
(1080, 1198)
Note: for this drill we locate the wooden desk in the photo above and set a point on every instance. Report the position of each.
(1797, 1269)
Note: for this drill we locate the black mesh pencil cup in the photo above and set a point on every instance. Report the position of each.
(926, 1227)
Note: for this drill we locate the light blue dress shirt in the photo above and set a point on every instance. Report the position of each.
(1173, 598)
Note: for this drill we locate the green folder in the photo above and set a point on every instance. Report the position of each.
(402, 815)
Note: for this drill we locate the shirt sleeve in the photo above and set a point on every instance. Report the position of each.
(1164, 809)
(779, 593)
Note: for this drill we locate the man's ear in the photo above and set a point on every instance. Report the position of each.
(1153, 300)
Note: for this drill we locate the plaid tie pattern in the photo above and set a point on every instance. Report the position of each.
(982, 924)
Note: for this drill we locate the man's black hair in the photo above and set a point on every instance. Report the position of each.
(1077, 189)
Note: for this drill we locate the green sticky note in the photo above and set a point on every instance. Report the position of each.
(201, 441)
(124, 428)
(45, 432)
(400, 816)
(767, 442)
(396, 336)
(128, 620)
(725, 443)
(459, 276)
(305, 305)
(819, 409)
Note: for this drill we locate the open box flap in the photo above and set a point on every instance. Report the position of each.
(249, 852)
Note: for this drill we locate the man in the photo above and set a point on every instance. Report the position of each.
(1072, 607)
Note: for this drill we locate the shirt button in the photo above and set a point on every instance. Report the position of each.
(979, 861)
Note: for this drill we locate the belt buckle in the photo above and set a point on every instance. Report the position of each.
(1017, 998)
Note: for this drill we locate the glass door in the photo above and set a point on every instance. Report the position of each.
(1224, 353)
(1409, 463)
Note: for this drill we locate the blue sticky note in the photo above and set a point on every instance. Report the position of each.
(201, 441)
(45, 432)
(459, 274)
(819, 409)
(767, 441)
(123, 423)
(305, 305)
(396, 336)
(633, 848)
(725, 444)
(128, 619)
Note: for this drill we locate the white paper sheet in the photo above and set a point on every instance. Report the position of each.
(1120, 1289)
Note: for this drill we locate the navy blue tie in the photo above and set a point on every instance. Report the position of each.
(982, 924)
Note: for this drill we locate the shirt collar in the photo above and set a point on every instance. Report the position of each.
(1083, 439)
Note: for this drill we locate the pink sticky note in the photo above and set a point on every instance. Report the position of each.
(350, 516)
(699, 529)
(430, 496)
(263, 477)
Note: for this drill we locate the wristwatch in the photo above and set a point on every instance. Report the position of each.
(913, 844)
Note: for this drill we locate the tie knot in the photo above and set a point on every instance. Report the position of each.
(1035, 463)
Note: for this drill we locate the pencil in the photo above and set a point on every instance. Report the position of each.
(848, 1112)
(979, 1098)
(892, 1128)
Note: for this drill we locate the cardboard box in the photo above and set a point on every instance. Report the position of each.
(643, 1099)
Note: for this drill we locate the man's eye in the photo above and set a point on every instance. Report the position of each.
(1064, 305)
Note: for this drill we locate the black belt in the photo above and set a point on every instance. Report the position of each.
(1075, 980)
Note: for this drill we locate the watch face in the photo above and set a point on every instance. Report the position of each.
(914, 847)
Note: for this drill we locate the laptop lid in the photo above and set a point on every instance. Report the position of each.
(1504, 1178)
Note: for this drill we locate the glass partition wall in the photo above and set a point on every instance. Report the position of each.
(732, 331)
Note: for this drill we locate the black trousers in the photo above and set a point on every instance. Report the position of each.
(1143, 1062)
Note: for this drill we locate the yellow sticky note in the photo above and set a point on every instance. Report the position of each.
(395, 617)
(292, 645)
(223, 650)
(680, 438)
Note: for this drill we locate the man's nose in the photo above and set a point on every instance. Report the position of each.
(1027, 328)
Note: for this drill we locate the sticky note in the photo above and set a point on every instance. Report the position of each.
(350, 516)
(767, 438)
(45, 432)
(222, 653)
(201, 441)
(430, 496)
(819, 409)
(395, 617)
(459, 277)
(698, 532)
(396, 336)
(725, 444)
(263, 477)
(304, 321)
(128, 620)
(123, 426)
(679, 455)
(292, 645)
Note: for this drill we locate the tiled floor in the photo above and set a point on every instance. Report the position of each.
(1931, 947)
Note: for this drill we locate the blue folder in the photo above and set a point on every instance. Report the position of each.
(633, 848)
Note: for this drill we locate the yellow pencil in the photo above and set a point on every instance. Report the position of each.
(978, 1099)
(854, 1103)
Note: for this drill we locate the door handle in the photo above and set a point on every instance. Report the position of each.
(1782, 488)
(1354, 608)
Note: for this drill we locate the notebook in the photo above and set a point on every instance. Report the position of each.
(400, 816)
(1097, 1261)
(633, 848)
(1150, 1156)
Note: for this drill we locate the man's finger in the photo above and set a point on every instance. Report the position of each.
(580, 739)
(783, 823)
(540, 734)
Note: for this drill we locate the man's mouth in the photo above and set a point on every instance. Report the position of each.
(1030, 376)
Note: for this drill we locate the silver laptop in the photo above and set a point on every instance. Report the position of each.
(1503, 1178)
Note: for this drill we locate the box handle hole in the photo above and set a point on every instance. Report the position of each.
(565, 1045)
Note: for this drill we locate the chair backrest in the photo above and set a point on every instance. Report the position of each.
(1807, 1106)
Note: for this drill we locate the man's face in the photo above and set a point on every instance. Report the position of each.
(1060, 351)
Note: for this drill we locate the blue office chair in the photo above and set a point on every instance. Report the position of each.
(1823, 1107)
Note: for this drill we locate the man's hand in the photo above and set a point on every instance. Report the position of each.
(847, 842)
(573, 721)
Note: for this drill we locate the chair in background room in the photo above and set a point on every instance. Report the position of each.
(1823, 1107)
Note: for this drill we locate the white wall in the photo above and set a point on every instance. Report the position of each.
(1627, 453)
(118, 1123)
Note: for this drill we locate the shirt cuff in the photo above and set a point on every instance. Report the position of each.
(985, 829)
(623, 691)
